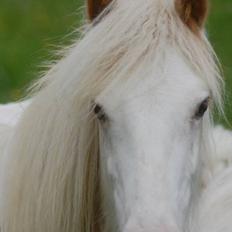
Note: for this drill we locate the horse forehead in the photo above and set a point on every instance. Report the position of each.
(174, 81)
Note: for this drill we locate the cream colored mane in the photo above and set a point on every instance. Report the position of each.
(52, 170)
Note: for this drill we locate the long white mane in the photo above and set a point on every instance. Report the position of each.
(52, 170)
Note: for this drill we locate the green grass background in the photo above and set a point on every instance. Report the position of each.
(29, 28)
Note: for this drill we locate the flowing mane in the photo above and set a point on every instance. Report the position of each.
(52, 169)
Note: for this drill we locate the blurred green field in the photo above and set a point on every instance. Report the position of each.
(220, 34)
(29, 31)
(29, 28)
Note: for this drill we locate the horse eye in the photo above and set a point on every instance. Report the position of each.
(202, 108)
(99, 112)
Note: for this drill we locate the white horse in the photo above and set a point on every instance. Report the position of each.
(118, 136)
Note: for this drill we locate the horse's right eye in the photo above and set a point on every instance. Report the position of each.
(202, 108)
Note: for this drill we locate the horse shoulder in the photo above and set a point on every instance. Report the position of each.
(11, 113)
(9, 117)
(222, 158)
(215, 206)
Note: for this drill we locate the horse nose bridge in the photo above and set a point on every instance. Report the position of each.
(154, 137)
(138, 226)
(159, 220)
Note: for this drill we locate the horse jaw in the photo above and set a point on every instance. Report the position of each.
(150, 147)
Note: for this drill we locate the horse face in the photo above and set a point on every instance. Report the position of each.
(150, 139)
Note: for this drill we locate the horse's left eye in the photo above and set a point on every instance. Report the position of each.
(99, 112)
(202, 108)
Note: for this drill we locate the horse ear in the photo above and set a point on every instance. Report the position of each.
(95, 7)
(193, 13)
